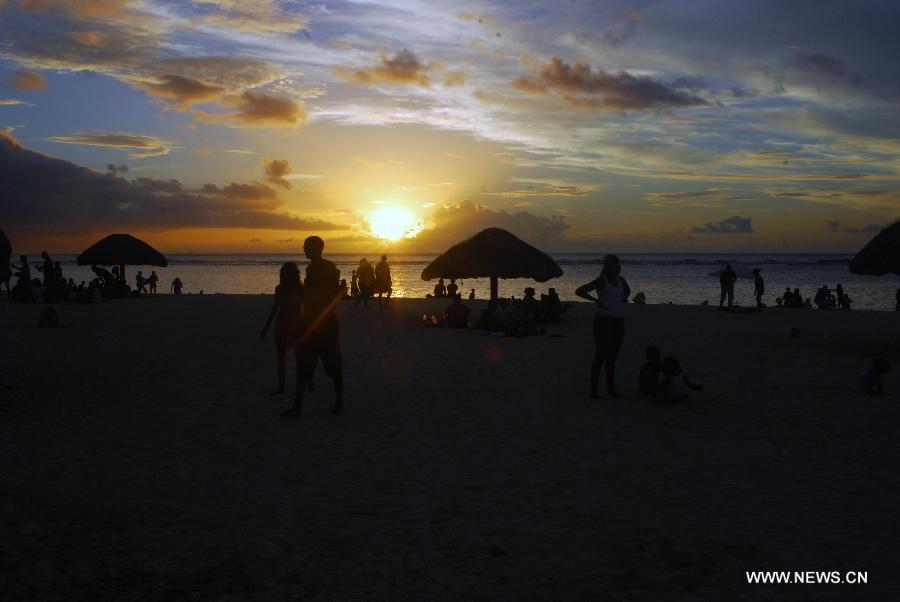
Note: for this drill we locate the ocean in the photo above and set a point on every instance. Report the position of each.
(685, 279)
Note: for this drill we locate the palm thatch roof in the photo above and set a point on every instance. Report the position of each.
(496, 253)
(122, 249)
(881, 255)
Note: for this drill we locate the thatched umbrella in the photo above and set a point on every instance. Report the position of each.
(493, 253)
(881, 256)
(122, 250)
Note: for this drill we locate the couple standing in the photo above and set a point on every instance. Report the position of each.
(306, 322)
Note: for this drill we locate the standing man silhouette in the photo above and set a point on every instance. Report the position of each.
(383, 283)
(727, 278)
(319, 326)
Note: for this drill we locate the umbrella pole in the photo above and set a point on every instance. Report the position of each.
(122, 272)
(493, 289)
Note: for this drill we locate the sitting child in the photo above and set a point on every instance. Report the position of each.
(870, 380)
(675, 383)
(648, 381)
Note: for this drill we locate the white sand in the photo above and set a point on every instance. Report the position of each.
(141, 458)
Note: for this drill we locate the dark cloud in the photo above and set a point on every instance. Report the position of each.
(44, 194)
(276, 171)
(818, 62)
(116, 170)
(402, 68)
(580, 85)
(141, 146)
(831, 225)
(730, 225)
(27, 81)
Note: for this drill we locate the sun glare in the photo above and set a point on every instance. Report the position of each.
(393, 223)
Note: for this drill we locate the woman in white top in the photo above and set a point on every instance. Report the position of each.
(609, 322)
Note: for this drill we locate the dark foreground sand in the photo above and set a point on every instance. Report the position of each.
(141, 458)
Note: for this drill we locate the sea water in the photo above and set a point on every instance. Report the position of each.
(685, 279)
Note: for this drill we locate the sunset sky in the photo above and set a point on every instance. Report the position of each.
(231, 126)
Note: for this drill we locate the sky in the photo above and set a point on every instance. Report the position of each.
(581, 126)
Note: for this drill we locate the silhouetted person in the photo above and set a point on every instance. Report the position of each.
(788, 297)
(452, 288)
(22, 291)
(177, 286)
(759, 287)
(897, 299)
(366, 276)
(383, 281)
(320, 327)
(354, 284)
(648, 381)
(287, 311)
(839, 295)
(152, 281)
(727, 278)
(869, 381)
(46, 268)
(675, 383)
(439, 289)
(457, 314)
(551, 307)
(140, 282)
(105, 276)
(824, 299)
(472, 295)
(609, 321)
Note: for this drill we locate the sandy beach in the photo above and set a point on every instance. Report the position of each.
(143, 459)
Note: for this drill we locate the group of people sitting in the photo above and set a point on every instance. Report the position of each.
(53, 287)
(823, 299)
(513, 317)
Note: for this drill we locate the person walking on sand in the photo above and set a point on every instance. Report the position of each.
(287, 312)
(609, 321)
(320, 328)
(177, 286)
(354, 285)
(727, 278)
(383, 281)
(152, 280)
(366, 276)
(141, 282)
(759, 287)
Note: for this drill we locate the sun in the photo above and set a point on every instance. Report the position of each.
(393, 223)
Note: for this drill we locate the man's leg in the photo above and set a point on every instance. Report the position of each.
(722, 297)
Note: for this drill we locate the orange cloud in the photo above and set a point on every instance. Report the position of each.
(276, 170)
(27, 81)
(403, 68)
(182, 92)
(257, 109)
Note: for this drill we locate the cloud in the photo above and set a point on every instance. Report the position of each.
(257, 109)
(45, 195)
(817, 62)
(538, 188)
(580, 85)
(116, 170)
(8, 102)
(868, 229)
(27, 81)
(831, 225)
(260, 17)
(141, 146)
(403, 68)
(447, 225)
(730, 225)
(711, 197)
(276, 172)
(92, 39)
(180, 91)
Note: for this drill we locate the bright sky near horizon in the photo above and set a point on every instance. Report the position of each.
(243, 126)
